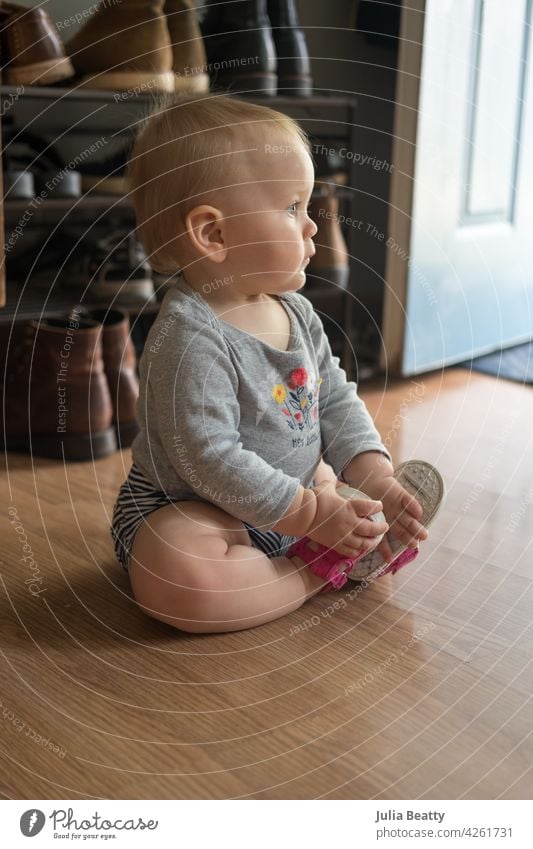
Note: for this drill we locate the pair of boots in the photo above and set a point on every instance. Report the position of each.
(142, 45)
(71, 387)
(257, 47)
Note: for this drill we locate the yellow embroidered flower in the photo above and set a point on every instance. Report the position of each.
(303, 403)
(279, 393)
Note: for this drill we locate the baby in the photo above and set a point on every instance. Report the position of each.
(229, 517)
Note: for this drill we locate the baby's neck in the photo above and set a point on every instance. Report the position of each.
(221, 293)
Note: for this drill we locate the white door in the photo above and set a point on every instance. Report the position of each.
(459, 278)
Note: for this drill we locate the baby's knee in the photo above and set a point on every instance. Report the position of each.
(179, 591)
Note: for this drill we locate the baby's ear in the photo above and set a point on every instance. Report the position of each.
(205, 231)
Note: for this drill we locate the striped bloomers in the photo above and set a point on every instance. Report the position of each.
(137, 498)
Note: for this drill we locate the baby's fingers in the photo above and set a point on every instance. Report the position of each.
(411, 505)
(369, 528)
(385, 550)
(412, 527)
(407, 536)
(365, 507)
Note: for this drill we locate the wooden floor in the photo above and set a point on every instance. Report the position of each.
(419, 687)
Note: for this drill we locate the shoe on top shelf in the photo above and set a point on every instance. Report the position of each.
(122, 49)
(294, 67)
(240, 48)
(32, 52)
(188, 51)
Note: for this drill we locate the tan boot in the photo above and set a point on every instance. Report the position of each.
(188, 48)
(124, 46)
(331, 262)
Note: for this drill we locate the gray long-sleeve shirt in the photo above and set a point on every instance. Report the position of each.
(229, 419)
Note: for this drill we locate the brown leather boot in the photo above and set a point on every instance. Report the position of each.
(120, 364)
(57, 401)
(331, 262)
(124, 46)
(32, 52)
(188, 49)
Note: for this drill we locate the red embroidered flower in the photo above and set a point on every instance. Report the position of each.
(298, 417)
(314, 413)
(299, 376)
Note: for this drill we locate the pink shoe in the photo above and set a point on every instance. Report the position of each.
(324, 562)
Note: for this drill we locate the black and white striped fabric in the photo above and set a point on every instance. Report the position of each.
(137, 498)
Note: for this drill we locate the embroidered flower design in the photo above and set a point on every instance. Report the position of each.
(299, 376)
(279, 393)
(299, 397)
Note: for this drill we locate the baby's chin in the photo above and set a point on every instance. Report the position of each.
(296, 282)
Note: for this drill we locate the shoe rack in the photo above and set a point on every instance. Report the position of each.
(78, 119)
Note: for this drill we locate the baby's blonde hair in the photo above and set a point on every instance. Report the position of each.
(182, 151)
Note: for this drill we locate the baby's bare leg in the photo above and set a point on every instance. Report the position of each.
(193, 567)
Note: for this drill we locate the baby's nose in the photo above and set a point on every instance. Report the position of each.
(311, 229)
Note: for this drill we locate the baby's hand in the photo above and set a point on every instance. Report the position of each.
(402, 511)
(343, 524)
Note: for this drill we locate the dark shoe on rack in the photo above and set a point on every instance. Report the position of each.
(51, 176)
(110, 270)
(57, 401)
(106, 176)
(294, 67)
(124, 47)
(331, 262)
(120, 365)
(18, 185)
(239, 46)
(189, 60)
(32, 52)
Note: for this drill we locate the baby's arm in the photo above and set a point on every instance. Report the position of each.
(353, 445)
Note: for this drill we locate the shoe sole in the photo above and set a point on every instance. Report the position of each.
(72, 447)
(104, 185)
(40, 73)
(119, 293)
(190, 83)
(260, 84)
(295, 86)
(423, 481)
(126, 433)
(125, 294)
(125, 81)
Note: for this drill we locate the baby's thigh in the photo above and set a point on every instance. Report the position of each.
(176, 554)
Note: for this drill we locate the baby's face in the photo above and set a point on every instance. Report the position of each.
(268, 231)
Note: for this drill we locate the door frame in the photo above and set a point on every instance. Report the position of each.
(402, 184)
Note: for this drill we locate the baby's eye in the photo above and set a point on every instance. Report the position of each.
(293, 208)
